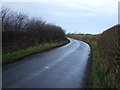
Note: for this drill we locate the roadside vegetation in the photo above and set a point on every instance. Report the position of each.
(105, 67)
(28, 51)
(22, 35)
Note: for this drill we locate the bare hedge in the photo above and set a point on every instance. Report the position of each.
(109, 48)
(19, 31)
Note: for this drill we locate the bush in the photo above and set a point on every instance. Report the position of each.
(19, 31)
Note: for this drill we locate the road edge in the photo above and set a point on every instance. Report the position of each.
(16, 60)
(87, 78)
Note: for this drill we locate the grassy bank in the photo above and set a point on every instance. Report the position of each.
(97, 75)
(10, 57)
(97, 70)
(105, 66)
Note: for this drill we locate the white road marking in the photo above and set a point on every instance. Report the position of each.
(47, 67)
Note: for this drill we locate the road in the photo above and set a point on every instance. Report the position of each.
(62, 67)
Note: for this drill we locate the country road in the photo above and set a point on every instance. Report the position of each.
(62, 67)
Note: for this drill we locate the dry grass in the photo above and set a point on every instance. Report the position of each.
(109, 48)
(106, 57)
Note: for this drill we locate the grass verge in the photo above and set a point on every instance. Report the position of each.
(97, 77)
(10, 57)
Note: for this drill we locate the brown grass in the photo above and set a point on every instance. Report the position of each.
(106, 57)
(109, 48)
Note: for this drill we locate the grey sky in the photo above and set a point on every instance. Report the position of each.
(79, 16)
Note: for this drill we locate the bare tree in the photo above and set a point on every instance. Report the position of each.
(18, 28)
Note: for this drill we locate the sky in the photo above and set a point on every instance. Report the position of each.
(74, 16)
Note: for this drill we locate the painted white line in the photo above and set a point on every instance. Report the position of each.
(47, 67)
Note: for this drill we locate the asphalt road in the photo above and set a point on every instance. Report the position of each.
(62, 67)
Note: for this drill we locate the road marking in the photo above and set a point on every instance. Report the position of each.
(47, 67)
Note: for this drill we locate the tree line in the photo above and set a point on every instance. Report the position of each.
(20, 31)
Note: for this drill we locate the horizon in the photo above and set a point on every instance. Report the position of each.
(74, 17)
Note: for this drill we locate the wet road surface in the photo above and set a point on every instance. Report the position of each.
(61, 67)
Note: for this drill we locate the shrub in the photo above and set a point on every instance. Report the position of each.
(20, 32)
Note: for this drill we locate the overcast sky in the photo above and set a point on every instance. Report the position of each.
(78, 16)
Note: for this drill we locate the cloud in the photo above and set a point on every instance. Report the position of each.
(73, 15)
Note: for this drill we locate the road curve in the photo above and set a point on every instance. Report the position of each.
(61, 67)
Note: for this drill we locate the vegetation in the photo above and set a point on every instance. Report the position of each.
(22, 35)
(28, 51)
(109, 49)
(105, 69)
